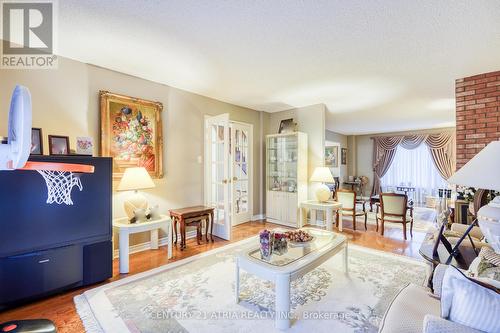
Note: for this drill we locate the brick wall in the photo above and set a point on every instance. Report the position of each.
(477, 113)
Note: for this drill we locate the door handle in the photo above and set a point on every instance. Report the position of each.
(235, 178)
(224, 181)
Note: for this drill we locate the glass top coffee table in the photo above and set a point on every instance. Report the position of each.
(294, 263)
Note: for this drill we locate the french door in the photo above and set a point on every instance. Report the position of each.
(228, 172)
(217, 172)
(241, 139)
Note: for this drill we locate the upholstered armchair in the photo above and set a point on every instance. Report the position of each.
(348, 200)
(394, 208)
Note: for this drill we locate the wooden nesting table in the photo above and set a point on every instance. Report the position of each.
(192, 215)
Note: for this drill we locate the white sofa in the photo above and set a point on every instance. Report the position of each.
(415, 309)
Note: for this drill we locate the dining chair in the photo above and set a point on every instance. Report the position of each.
(336, 186)
(394, 208)
(348, 200)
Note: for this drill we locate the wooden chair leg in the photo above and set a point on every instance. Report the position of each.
(337, 219)
(366, 219)
(354, 221)
(382, 227)
(404, 229)
(411, 228)
(376, 222)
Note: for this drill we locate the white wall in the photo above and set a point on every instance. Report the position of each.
(66, 102)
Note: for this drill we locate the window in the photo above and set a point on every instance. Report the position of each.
(414, 168)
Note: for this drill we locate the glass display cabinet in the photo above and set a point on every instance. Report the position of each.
(286, 177)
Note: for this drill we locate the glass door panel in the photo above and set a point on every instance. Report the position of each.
(217, 188)
(241, 173)
(282, 163)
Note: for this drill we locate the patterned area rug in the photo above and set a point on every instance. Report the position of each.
(197, 295)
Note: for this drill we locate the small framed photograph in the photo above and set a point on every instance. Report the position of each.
(84, 145)
(343, 156)
(58, 145)
(331, 156)
(36, 141)
(287, 126)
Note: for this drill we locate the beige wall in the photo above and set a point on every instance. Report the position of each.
(66, 102)
(364, 152)
(351, 155)
(339, 140)
(310, 120)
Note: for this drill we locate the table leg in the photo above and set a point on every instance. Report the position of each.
(124, 252)
(313, 216)
(212, 226)
(198, 233)
(183, 233)
(174, 220)
(282, 301)
(169, 240)
(346, 259)
(207, 226)
(237, 282)
(329, 219)
(340, 220)
(154, 239)
(303, 217)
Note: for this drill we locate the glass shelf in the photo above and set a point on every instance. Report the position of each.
(282, 153)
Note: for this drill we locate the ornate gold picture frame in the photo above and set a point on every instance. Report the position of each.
(131, 133)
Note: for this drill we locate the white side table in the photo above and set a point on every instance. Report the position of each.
(125, 229)
(329, 207)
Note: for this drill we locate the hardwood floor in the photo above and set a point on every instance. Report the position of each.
(61, 310)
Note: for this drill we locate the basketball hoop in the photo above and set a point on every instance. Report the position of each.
(60, 179)
(15, 151)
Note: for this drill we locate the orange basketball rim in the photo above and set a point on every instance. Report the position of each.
(62, 167)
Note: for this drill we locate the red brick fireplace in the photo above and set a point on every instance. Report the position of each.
(477, 114)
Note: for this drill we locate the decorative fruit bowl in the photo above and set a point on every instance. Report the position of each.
(299, 237)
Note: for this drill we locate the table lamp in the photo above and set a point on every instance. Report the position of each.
(322, 175)
(135, 179)
(483, 172)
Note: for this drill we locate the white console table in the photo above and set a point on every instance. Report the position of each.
(125, 229)
(329, 207)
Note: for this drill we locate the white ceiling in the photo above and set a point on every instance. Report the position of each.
(377, 65)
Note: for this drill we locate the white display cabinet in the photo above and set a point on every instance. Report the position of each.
(286, 177)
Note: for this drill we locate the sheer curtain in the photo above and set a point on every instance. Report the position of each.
(414, 168)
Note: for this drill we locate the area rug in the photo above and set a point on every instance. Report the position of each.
(197, 295)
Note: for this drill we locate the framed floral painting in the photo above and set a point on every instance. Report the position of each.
(131, 133)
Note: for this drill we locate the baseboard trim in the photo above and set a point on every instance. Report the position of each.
(147, 245)
(258, 217)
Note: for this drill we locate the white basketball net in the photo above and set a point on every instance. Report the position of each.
(59, 186)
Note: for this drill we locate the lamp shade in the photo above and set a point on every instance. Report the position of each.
(322, 174)
(482, 171)
(135, 179)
